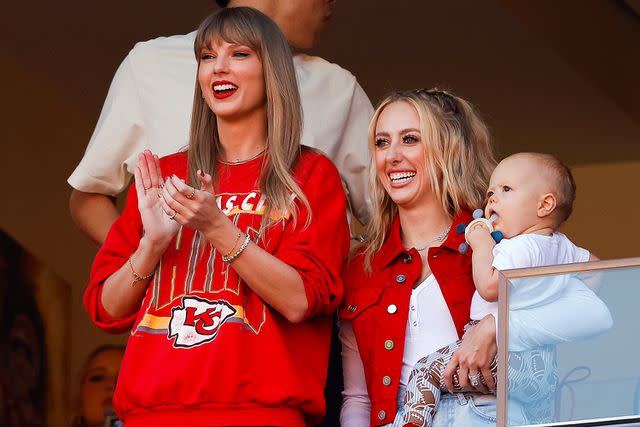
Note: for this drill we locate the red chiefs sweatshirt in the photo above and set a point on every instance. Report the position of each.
(204, 349)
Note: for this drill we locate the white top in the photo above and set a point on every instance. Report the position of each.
(530, 250)
(429, 327)
(149, 106)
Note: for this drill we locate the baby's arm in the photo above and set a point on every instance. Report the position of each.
(485, 276)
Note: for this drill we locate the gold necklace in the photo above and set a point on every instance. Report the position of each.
(239, 162)
(440, 238)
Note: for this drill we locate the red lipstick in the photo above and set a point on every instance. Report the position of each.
(223, 89)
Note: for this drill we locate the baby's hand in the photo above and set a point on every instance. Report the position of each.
(476, 232)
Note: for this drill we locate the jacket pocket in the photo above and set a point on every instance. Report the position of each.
(357, 300)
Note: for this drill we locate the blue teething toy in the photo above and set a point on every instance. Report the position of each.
(478, 215)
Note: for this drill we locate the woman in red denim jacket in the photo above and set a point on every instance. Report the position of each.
(408, 289)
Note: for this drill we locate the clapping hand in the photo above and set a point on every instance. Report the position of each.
(159, 228)
(189, 206)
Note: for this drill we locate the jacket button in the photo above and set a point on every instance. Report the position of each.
(392, 308)
(388, 344)
(408, 259)
(400, 278)
(382, 415)
(352, 308)
(386, 380)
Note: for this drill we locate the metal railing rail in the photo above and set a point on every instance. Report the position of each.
(503, 331)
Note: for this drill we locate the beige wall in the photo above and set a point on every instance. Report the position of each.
(605, 218)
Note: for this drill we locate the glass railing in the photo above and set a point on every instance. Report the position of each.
(569, 345)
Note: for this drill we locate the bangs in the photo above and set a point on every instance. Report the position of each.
(231, 28)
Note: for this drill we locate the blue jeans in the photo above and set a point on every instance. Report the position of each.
(472, 410)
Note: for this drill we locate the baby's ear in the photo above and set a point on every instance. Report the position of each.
(547, 205)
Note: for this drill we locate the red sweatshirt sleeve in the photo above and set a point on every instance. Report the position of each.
(318, 251)
(123, 239)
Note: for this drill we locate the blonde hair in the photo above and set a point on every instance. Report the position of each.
(251, 28)
(458, 154)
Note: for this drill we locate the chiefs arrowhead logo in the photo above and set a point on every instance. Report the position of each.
(198, 321)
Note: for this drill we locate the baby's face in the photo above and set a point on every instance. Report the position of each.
(515, 191)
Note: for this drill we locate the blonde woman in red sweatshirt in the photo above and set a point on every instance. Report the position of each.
(225, 263)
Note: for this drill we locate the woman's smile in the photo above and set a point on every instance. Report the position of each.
(223, 89)
(401, 178)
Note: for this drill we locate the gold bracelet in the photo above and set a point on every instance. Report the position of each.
(233, 247)
(230, 258)
(136, 276)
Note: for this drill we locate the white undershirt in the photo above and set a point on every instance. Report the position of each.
(429, 327)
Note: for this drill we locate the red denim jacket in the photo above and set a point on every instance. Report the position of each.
(378, 306)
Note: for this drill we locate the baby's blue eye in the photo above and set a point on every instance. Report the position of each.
(506, 188)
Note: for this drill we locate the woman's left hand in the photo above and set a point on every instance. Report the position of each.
(193, 208)
(475, 355)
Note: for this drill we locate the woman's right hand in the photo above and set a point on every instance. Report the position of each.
(475, 355)
(159, 228)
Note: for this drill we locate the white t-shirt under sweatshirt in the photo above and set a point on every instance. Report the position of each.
(149, 107)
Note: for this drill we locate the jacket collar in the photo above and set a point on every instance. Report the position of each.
(392, 246)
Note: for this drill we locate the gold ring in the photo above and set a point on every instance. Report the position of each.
(174, 215)
(145, 188)
(193, 193)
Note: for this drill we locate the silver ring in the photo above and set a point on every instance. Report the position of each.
(475, 379)
(174, 215)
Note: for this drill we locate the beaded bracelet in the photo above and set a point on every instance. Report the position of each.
(230, 258)
(136, 276)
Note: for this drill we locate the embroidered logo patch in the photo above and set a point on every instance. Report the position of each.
(198, 321)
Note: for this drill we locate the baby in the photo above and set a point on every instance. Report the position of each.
(531, 195)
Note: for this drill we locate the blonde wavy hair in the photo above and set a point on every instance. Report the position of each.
(251, 28)
(458, 153)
